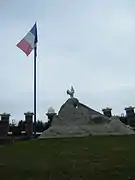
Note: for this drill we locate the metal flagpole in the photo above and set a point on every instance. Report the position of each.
(26, 45)
(35, 93)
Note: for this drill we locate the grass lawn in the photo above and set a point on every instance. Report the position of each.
(89, 158)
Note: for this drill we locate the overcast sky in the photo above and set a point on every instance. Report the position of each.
(89, 44)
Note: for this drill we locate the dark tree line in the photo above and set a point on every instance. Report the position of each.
(123, 119)
(17, 129)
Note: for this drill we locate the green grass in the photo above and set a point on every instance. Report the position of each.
(90, 158)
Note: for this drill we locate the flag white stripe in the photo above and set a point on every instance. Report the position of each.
(30, 38)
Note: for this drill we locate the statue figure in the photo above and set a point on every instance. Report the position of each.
(71, 92)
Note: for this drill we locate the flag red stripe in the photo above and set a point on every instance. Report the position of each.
(25, 46)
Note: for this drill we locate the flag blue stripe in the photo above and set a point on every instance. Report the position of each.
(34, 32)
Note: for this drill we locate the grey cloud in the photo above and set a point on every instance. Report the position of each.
(88, 44)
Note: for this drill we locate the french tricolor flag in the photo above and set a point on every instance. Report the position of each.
(28, 43)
